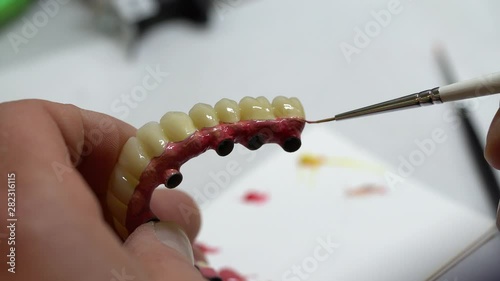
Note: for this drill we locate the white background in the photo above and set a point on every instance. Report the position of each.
(280, 47)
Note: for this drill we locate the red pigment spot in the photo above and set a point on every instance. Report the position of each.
(228, 274)
(207, 249)
(255, 197)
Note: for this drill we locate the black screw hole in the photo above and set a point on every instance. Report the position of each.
(255, 142)
(292, 144)
(225, 147)
(174, 180)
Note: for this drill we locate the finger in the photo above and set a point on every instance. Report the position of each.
(178, 207)
(163, 245)
(59, 217)
(95, 144)
(199, 255)
(164, 251)
(55, 138)
(492, 151)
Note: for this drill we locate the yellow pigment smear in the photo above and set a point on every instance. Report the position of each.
(311, 161)
(315, 161)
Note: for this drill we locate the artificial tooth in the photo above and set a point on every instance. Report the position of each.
(228, 111)
(153, 139)
(255, 109)
(133, 157)
(122, 184)
(117, 208)
(177, 126)
(285, 107)
(203, 116)
(296, 102)
(265, 102)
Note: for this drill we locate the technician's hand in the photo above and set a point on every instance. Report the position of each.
(492, 151)
(61, 232)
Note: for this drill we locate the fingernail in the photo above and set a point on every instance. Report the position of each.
(207, 272)
(172, 235)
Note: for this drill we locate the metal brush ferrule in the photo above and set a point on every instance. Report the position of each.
(423, 98)
(428, 97)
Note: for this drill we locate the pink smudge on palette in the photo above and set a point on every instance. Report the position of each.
(207, 249)
(228, 274)
(366, 190)
(255, 197)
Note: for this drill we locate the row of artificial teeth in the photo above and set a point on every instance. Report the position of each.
(179, 125)
(152, 138)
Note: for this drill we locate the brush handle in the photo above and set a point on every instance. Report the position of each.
(481, 86)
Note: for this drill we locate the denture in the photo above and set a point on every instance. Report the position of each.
(154, 156)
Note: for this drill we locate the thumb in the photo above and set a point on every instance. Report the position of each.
(492, 150)
(164, 252)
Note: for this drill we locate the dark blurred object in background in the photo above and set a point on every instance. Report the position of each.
(134, 18)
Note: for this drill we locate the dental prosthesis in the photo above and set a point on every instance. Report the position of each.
(155, 155)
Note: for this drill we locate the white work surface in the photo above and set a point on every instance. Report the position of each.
(280, 47)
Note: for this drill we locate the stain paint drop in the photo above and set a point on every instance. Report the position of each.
(311, 161)
(206, 249)
(228, 274)
(206, 271)
(316, 161)
(255, 197)
(366, 190)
